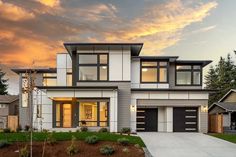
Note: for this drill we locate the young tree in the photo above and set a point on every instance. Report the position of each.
(3, 83)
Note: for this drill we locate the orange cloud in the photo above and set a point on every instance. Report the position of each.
(50, 3)
(14, 13)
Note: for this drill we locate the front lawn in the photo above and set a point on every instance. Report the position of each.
(227, 137)
(65, 136)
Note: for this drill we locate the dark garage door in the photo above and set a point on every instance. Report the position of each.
(185, 119)
(146, 119)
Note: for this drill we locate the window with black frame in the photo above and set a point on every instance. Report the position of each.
(188, 75)
(93, 67)
(154, 72)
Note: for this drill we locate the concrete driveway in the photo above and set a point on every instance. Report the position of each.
(187, 145)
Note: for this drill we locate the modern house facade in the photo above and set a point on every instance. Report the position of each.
(111, 85)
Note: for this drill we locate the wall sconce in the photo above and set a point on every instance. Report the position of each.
(132, 108)
(204, 108)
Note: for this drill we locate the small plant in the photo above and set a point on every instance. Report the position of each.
(125, 150)
(4, 143)
(50, 139)
(103, 130)
(91, 139)
(77, 130)
(7, 130)
(137, 146)
(126, 131)
(84, 129)
(107, 150)
(45, 131)
(72, 149)
(123, 141)
(27, 127)
(23, 152)
(19, 128)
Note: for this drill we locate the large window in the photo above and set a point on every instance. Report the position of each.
(86, 113)
(93, 113)
(49, 79)
(188, 74)
(93, 67)
(154, 72)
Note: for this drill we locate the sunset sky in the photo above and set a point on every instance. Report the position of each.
(34, 30)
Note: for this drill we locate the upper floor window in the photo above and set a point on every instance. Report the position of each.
(49, 79)
(154, 71)
(93, 67)
(188, 75)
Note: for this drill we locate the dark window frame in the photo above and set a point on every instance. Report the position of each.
(98, 65)
(192, 70)
(158, 71)
(75, 112)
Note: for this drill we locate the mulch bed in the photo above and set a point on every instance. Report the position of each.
(59, 149)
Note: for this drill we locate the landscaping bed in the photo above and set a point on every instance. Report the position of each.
(84, 149)
(60, 144)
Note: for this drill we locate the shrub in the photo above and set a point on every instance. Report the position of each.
(103, 130)
(72, 149)
(125, 150)
(7, 130)
(50, 139)
(19, 128)
(126, 130)
(123, 141)
(23, 152)
(91, 139)
(4, 143)
(107, 150)
(84, 129)
(27, 127)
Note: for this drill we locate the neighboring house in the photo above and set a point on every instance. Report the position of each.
(8, 106)
(226, 107)
(110, 85)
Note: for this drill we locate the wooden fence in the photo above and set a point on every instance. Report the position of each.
(13, 122)
(215, 123)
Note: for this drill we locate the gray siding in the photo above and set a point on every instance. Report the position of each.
(231, 97)
(124, 100)
(216, 109)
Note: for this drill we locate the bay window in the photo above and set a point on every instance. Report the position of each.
(93, 67)
(154, 72)
(188, 74)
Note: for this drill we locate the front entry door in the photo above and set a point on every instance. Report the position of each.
(147, 119)
(67, 115)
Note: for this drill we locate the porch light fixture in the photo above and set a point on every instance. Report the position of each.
(132, 108)
(204, 108)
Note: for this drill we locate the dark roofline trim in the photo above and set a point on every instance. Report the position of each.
(170, 58)
(216, 104)
(134, 51)
(49, 70)
(191, 90)
(201, 62)
(76, 87)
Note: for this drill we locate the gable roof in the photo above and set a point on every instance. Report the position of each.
(227, 106)
(227, 94)
(7, 99)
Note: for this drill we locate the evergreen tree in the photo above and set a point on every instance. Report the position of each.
(3, 84)
(221, 78)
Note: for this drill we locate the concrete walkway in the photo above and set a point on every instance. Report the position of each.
(187, 145)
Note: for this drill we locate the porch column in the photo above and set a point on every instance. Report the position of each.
(230, 121)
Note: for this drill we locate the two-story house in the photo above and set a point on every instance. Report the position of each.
(111, 85)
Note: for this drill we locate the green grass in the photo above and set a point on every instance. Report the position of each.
(227, 137)
(63, 136)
